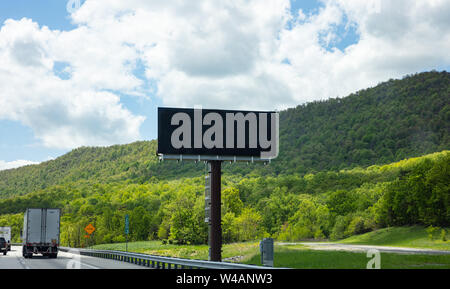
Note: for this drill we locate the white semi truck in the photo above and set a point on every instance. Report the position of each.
(41, 232)
(5, 232)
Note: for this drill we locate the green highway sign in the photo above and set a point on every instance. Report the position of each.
(127, 224)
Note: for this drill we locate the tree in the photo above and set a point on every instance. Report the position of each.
(228, 228)
(139, 224)
(231, 201)
(247, 225)
(341, 202)
(310, 221)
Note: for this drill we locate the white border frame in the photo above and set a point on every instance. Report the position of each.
(200, 158)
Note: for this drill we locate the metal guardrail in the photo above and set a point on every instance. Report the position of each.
(160, 262)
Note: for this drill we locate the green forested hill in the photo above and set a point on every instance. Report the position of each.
(338, 174)
(392, 121)
(332, 205)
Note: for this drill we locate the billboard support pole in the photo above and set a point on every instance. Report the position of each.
(216, 219)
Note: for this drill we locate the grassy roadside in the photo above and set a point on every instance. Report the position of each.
(290, 256)
(412, 237)
(298, 256)
(245, 250)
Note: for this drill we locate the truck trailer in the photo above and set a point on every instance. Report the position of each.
(5, 232)
(41, 228)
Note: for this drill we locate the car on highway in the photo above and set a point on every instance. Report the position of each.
(5, 232)
(3, 246)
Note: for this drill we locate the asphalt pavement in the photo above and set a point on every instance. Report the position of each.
(365, 248)
(65, 260)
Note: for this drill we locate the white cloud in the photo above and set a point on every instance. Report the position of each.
(15, 164)
(247, 54)
(395, 38)
(200, 52)
(231, 54)
(62, 113)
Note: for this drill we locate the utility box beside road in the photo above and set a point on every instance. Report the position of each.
(266, 249)
(41, 228)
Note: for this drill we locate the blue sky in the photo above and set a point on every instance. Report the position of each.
(18, 141)
(52, 13)
(104, 97)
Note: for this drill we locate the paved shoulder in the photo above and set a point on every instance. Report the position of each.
(10, 261)
(364, 248)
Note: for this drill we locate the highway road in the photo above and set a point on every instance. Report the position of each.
(65, 260)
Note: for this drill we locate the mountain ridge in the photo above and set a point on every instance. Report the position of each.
(394, 120)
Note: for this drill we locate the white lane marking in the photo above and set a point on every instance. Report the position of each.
(76, 258)
(15, 250)
(22, 262)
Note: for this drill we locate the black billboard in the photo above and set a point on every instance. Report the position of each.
(184, 131)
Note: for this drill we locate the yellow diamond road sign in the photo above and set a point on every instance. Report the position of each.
(89, 229)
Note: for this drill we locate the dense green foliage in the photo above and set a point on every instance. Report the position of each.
(288, 207)
(319, 187)
(392, 121)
